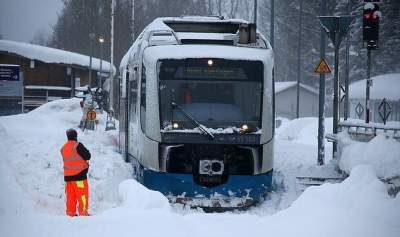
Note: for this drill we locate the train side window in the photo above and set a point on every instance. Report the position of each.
(133, 95)
(143, 100)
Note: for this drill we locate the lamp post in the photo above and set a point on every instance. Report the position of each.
(101, 41)
(91, 39)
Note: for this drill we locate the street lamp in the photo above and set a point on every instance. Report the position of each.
(92, 36)
(101, 41)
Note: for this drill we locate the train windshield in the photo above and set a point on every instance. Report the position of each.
(215, 93)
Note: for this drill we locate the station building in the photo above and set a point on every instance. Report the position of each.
(286, 100)
(48, 73)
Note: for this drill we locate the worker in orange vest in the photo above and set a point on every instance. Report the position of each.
(76, 165)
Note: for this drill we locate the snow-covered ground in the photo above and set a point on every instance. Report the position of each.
(32, 195)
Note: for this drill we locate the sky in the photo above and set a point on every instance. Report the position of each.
(21, 19)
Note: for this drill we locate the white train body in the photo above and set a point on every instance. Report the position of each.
(196, 111)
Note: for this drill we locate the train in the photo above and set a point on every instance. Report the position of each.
(197, 116)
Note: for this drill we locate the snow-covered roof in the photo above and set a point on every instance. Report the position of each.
(284, 85)
(204, 51)
(383, 86)
(50, 88)
(51, 55)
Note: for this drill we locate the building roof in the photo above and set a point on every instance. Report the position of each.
(51, 55)
(383, 86)
(284, 85)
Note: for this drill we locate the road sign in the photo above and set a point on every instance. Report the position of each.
(91, 115)
(322, 67)
(359, 110)
(336, 27)
(384, 110)
(10, 80)
(336, 24)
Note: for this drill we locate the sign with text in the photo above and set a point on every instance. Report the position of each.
(11, 81)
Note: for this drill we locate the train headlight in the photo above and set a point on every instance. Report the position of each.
(210, 62)
(175, 125)
(244, 128)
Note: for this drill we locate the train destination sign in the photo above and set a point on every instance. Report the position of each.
(10, 80)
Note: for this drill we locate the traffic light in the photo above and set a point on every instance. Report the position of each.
(371, 17)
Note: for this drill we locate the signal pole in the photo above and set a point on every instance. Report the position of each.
(299, 60)
(371, 17)
(255, 12)
(321, 111)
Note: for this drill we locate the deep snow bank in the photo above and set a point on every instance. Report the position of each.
(357, 207)
(302, 130)
(31, 152)
(382, 153)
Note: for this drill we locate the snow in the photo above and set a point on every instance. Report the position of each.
(31, 151)
(382, 153)
(32, 197)
(152, 54)
(302, 130)
(58, 88)
(51, 55)
(284, 85)
(383, 86)
(369, 5)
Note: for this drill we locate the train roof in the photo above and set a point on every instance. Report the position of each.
(152, 54)
(195, 37)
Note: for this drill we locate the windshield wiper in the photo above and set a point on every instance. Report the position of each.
(193, 120)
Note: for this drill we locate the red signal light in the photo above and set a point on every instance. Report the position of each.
(367, 16)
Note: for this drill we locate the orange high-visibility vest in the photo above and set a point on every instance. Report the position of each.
(73, 162)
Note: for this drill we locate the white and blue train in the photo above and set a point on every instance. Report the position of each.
(197, 110)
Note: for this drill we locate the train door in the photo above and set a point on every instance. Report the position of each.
(133, 111)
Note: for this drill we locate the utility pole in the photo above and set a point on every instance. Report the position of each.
(321, 111)
(91, 39)
(299, 59)
(111, 78)
(255, 12)
(335, 112)
(368, 86)
(271, 36)
(133, 21)
(101, 41)
(347, 69)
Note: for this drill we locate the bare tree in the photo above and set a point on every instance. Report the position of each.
(41, 37)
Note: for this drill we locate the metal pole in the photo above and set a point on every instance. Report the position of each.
(271, 37)
(321, 111)
(101, 66)
(299, 60)
(133, 21)
(90, 64)
(336, 92)
(112, 56)
(21, 77)
(255, 12)
(346, 80)
(367, 102)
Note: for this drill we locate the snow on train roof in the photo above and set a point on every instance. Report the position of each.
(51, 55)
(194, 51)
(159, 23)
(154, 53)
(383, 86)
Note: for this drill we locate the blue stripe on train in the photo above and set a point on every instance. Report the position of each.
(255, 186)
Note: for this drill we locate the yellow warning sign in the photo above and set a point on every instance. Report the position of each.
(322, 67)
(91, 115)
